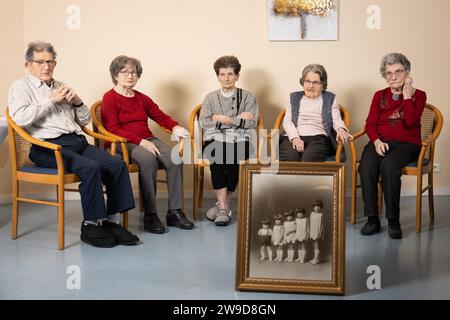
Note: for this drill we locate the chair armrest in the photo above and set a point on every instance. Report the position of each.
(352, 145)
(113, 139)
(359, 134)
(26, 136)
(108, 138)
(44, 144)
(192, 117)
(428, 141)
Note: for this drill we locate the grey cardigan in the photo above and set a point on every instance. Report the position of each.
(239, 129)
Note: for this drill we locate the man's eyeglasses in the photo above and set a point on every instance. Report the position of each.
(126, 73)
(41, 63)
(314, 83)
(396, 73)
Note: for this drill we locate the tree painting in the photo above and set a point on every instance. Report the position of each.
(301, 8)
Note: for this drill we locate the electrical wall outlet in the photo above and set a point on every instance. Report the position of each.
(437, 167)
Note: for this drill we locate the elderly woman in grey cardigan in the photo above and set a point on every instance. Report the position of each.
(229, 119)
(313, 121)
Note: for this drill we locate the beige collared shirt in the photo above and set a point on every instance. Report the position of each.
(31, 108)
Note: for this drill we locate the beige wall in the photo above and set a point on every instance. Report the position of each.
(177, 42)
(11, 37)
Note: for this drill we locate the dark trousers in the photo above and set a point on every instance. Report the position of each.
(372, 165)
(224, 162)
(94, 167)
(316, 149)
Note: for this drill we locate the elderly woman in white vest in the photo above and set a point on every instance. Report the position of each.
(313, 122)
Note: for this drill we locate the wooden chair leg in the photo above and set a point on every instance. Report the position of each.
(380, 199)
(201, 183)
(60, 195)
(125, 219)
(419, 203)
(354, 187)
(431, 196)
(15, 210)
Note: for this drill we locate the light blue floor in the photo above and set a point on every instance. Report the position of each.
(200, 263)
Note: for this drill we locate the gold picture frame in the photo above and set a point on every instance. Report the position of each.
(309, 260)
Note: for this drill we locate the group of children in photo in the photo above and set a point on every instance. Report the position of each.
(292, 233)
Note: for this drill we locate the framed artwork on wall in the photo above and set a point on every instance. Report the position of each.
(302, 20)
(291, 228)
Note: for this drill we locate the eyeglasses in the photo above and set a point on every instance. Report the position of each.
(396, 73)
(126, 73)
(314, 83)
(41, 63)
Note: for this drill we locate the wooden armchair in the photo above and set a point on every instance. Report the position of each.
(338, 157)
(24, 170)
(432, 122)
(200, 163)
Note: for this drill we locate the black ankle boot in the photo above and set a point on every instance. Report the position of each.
(371, 227)
(394, 229)
(153, 224)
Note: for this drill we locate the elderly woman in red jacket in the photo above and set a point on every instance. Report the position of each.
(393, 127)
(125, 112)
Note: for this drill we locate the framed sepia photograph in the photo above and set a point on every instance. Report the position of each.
(291, 228)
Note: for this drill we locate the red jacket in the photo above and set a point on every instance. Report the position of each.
(128, 117)
(395, 120)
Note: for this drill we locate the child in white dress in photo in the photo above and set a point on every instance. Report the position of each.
(265, 236)
(278, 236)
(316, 228)
(289, 234)
(302, 233)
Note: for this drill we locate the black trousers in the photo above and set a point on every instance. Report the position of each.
(372, 165)
(94, 167)
(224, 162)
(316, 149)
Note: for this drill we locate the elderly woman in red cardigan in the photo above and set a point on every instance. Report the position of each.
(125, 112)
(393, 127)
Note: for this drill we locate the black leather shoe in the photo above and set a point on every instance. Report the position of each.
(176, 218)
(96, 236)
(395, 232)
(370, 228)
(120, 234)
(152, 224)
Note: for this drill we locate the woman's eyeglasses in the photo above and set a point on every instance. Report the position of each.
(126, 73)
(314, 83)
(396, 73)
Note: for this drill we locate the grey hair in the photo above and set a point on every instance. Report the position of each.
(38, 46)
(120, 62)
(394, 58)
(316, 68)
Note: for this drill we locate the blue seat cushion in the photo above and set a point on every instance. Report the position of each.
(40, 170)
(414, 164)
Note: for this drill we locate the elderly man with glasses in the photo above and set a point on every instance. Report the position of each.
(52, 111)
